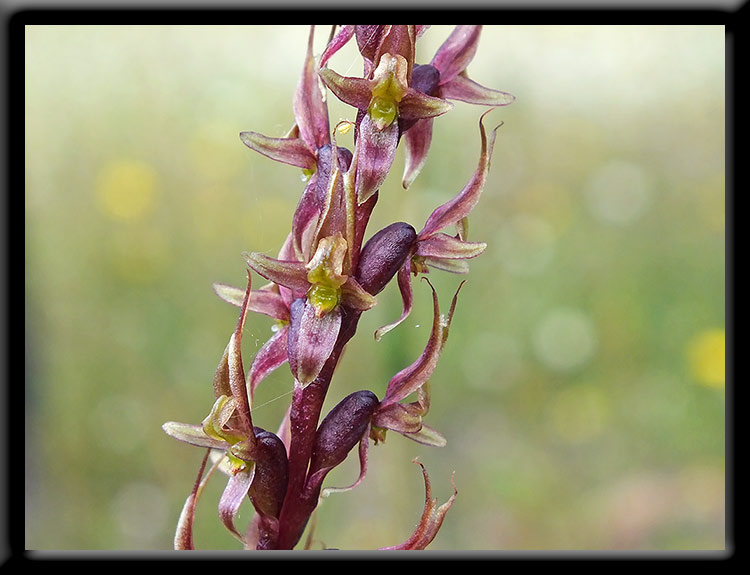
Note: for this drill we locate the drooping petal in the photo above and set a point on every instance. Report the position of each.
(404, 286)
(457, 51)
(233, 496)
(292, 151)
(400, 417)
(432, 518)
(415, 105)
(467, 90)
(269, 357)
(309, 106)
(413, 377)
(291, 274)
(311, 339)
(417, 141)
(353, 91)
(364, 445)
(444, 246)
(459, 207)
(377, 150)
(262, 301)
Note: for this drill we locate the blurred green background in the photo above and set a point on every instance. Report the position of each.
(582, 388)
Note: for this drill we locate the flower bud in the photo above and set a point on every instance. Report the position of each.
(341, 430)
(268, 488)
(383, 255)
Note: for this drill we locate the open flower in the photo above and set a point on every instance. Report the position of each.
(381, 99)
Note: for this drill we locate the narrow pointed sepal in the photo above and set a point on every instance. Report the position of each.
(432, 518)
(461, 205)
(192, 435)
(267, 302)
(377, 150)
(407, 298)
(353, 91)
(292, 151)
(309, 105)
(234, 494)
(269, 357)
(449, 247)
(183, 537)
(415, 105)
(458, 50)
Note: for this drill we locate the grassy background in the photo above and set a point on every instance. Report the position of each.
(582, 387)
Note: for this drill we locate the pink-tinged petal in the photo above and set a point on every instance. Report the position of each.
(427, 436)
(457, 51)
(311, 340)
(354, 296)
(444, 246)
(369, 38)
(410, 379)
(417, 141)
(415, 105)
(376, 151)
(310, 108)
(467, 90)
(291, 274)
(192, 435)
(459, 207)
(183, 537)
(404, 286)
(305, 218)
(269, 357)
(336, 43)
(446, 265)
(432, 518)
(292, 151)
(353, 91)
(266, 302)
(233, 496)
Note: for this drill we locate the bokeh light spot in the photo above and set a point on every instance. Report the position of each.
(525, 245)
(706, 357)
(126, 189)
(565, 339)
(618, 192)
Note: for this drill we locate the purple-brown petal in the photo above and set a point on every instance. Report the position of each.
(457, 51)
(291, 274)
(459, 207)
(267, 302)
(269, 357)
(377, 150)
(310, 110)
(341, 37)
(415, 105)
(292, 151)
(233, 496)
(183, 538)
(353, 91)
(467, 90)
(311, 339)
(413, 377)
(417, 141)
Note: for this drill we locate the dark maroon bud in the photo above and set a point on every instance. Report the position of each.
(425, 78)
(341, 430)
(268, 488)
(383, 255)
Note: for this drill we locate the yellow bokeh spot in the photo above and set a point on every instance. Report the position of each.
(706, 357)
(126, 189)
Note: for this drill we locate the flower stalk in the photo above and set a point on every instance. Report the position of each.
(325, 276)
